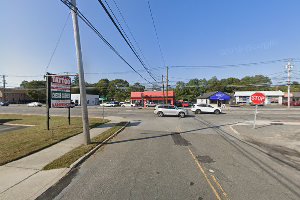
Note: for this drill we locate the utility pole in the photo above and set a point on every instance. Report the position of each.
(167, 86)
(163, 87)
(84, 110)
(4, 85)
(289, 67)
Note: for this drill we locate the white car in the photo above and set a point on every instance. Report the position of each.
(34, 104)
(203, 108)
(170, 110)
(108, 104)
(128, 105)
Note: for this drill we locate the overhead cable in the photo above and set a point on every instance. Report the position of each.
(124, 36)
(230, 65)
(90, 25)
(157, 39)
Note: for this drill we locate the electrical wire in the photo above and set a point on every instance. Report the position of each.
(157, 39)
(57, 43)
(231, 65)
(135, 41)
(90, 25)
(124, 36)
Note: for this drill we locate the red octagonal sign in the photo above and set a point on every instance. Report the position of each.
(258, 98)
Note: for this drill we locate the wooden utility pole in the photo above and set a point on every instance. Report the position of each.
(48, 96)
(167, 86)
(163, 87)
(4, 85)
(85, 118)
(289, 69)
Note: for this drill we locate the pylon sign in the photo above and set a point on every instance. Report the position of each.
(60, 92)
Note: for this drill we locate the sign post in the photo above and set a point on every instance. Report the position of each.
(257, 98)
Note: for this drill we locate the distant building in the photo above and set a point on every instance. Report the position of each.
(91, 99)
(152, 97)
(294, 96)
(272, 97)
(216, 97)
(14, 95)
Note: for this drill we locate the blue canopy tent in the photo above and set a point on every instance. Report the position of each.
(220, 96)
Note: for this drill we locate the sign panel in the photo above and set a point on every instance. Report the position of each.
(258, 98)
(60, 92)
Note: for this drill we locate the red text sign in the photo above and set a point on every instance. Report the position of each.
(258, 98)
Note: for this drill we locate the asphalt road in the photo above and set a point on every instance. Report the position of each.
(173, 158)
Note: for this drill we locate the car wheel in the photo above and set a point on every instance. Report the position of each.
(217, 112)
(160, 114)
(198, 111)
(181, 114)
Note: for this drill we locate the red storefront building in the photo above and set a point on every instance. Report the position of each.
(152, 97)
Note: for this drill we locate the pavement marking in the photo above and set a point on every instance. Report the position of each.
(206, 177)
(235, 131)
(219, 185)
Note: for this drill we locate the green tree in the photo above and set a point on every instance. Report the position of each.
(36, 90)
(118, 90)
(102, 86)
(137, 87)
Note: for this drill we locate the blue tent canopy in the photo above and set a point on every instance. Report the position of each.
(220, 96)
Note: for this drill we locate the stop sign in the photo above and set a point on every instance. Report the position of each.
(258, 98)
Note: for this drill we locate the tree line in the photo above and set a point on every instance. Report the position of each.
(120, 89)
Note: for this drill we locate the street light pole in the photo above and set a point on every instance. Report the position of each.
(85, 119)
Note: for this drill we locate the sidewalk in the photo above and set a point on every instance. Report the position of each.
(24, 179)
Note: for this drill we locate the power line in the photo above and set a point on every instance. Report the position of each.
(157, 39)
(123, 18)
(229, 65)
(124, 36)
(57, 43)
(90, 25)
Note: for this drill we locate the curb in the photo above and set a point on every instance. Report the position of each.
(87, 155)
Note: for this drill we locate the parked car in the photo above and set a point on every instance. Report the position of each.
(186, 104)
(150, 104)
(109, 104)
(72, 104)
(292, 103)
(34, 104)
(169, 110)
(203, 108)
(128, 104)
(4, 103)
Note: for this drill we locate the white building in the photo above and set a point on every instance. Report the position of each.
(91, 99)
(272, 97)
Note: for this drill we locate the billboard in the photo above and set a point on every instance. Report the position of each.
(60, 92)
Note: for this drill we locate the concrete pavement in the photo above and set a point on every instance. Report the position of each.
(25, 179)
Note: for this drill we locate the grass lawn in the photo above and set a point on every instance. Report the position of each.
(69, 158)
(19, 143)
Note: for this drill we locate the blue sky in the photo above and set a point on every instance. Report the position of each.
(191, 32)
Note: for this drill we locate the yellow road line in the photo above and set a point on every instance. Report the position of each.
(203, 172)
(219, 185)
(205, 175)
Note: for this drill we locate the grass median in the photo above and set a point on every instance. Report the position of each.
(22, 142)
(69, 158)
